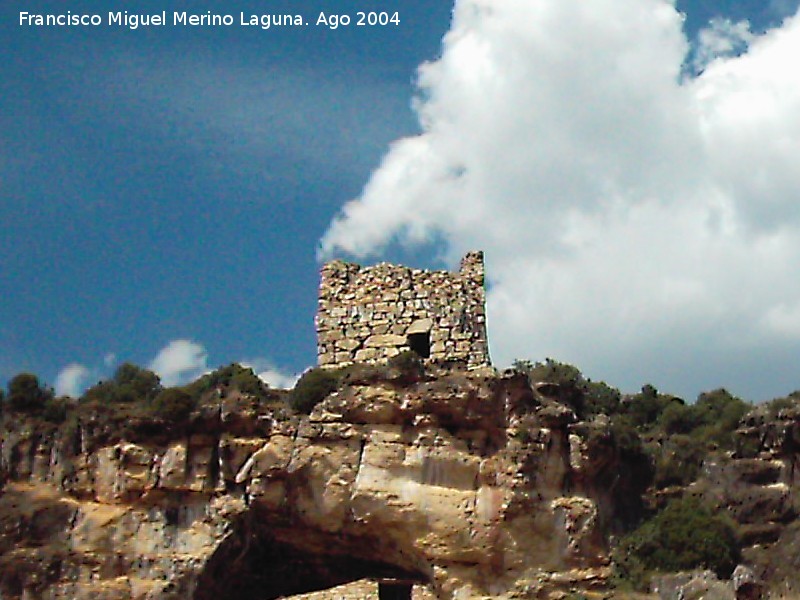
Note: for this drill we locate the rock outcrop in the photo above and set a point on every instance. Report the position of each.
(468, 483)
(757, 486)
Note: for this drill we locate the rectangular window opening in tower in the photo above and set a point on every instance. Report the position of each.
(420, 343)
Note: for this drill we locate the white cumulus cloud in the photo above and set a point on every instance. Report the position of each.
(722, 38)
(71, 380)
(638, 223)
(273, 376)
(180, 361)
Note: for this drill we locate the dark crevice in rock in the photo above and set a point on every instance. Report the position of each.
(251, 564)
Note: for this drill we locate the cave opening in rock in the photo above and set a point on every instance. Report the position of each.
(394, 590)
(420, 343)
(260, 563)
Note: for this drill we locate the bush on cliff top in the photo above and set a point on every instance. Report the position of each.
(775, 406)
(26, 394)
(173, 404)
(646, 408)
(586, 397)
(712, 418)
(142, 383)
(231, 377)
(312, 387)
(129, 384)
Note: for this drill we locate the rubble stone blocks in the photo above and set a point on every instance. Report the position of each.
(369, 314)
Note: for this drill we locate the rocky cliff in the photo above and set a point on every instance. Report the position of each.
(465, 482)
(757, 486)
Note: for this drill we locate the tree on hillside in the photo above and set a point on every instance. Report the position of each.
(25, 393)
(645, 408)
(129, 384)
(142, 383)
(233, 376)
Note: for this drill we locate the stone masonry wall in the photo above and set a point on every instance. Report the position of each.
(368, 314)
(361, 590)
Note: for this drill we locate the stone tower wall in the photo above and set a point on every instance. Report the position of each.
(368, 314)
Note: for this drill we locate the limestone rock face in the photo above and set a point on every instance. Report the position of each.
(757, 486)
(702, 585)
(468, 484)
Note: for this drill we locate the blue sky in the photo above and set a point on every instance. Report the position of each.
(164, 191)
(164, 184)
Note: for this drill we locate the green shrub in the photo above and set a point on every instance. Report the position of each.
(645, 408)
(312, 387)
(108, 392)
(522, 366)
(129, 384)
(104, 392)
(692, 432)
(25, 394)
(135, 383)
(248, 382)
(601, 398)
(679, 418)
(719, 414)
(633, 473)
(778, 404)
(173, 404)
(586, 397)
(55, 410)
(230, 377)
(683, 536)
(569, 379)
(679, 460)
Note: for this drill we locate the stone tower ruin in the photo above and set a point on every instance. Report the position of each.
(368, 314)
